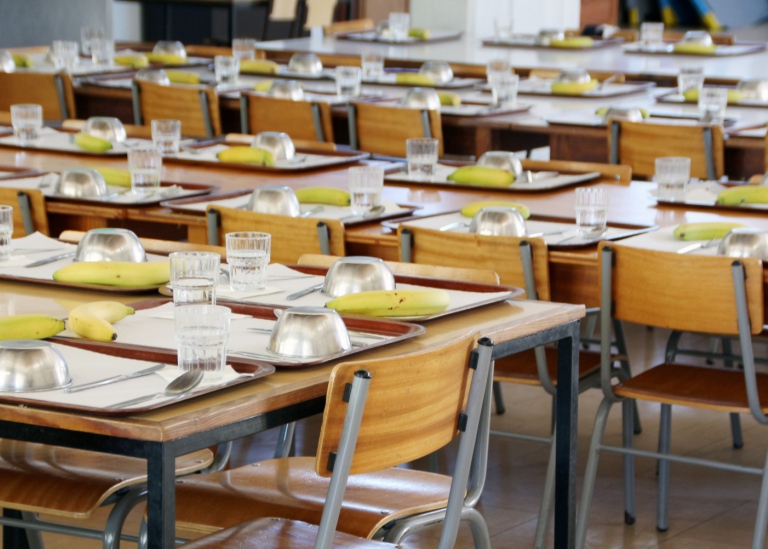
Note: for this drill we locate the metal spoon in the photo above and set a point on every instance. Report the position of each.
(373, 212)
(305, 291)
(176, 388)
(316, 209)
(586, 237)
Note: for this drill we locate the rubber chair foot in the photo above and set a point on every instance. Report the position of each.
(661, 529)
(638, 431)
(500, 411)
(629, 519)
(738, 446)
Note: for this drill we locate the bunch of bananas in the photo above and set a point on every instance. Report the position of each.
(124, 274)
(704, 231)
(94, 320)
(29, 326)
(392, 303)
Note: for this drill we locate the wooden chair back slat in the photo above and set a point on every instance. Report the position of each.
(10, 197)
(353, 25)
(38, 88)
(271, 114)
(180, 102)
(383, 129)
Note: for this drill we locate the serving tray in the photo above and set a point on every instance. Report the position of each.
(722, 50)
(676, 99)
(13, 172)
(589, 118)
(60, 140)
(529, 41)
(373, 36)
(704, 195)
(542, 86)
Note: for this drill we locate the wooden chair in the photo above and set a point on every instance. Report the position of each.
(285, 11)
(415, 403)
(353, 25)
(382, 129)
(29, 213)
(734, 307)
(638, 144)
(319, 13)
(196, 106)
(304, 120)
(291, 236)
(53, 91)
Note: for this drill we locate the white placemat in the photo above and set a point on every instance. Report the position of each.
(663, 240)
(299, 162)
(64, 141)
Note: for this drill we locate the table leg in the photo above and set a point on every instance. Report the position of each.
(161, 496)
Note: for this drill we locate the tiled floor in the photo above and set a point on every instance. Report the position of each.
(709, 509)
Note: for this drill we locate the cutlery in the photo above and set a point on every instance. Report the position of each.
(699, 246)
(527, 176)
(373, 212)
(452, 226)
(190, 150)
(50, 259)
(591, 235)
(550, 233)
(316, 209)
(47, 180)
(305, 291)
(113, 379)
(608, 80)
(271, 358)
(176, 388)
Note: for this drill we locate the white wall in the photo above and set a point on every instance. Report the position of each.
(35, 22)
(126, 21)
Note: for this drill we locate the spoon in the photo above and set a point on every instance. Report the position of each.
(587, 236)
(176, 388)
(305, 291)
(316, 209)
(373, 212)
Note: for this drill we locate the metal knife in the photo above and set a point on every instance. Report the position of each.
(113, 379)
(50, 259)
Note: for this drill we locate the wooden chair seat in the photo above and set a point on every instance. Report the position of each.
(290, 488)
(521, 368)
(273, 533)
(721, 389)
(73, 483)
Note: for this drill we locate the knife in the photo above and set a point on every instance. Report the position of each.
(113, 379)
(50, 259)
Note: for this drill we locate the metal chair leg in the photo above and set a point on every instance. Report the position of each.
(662, 511)
(758, 537)
(545, 509)
(478, 527)
(34, 537)
(119, 514)
(284, 440)
(736, 434)
(628, 410)
(498, 398)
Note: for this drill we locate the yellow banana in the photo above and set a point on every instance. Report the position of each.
(572, 88)
(137, 61)
(261, 66)
(734, 95)
(392, 302)
(743, 194)
(21, 60)
(419, 34)
(414, 79)
(166, 58)
(247, 155)
(482, 176)
(645, 113)
(88, 325)
(122, 274)
(573, 42)
(263, 86)
(111, 311)
(449, 99)
(183, 77)
(704, 231)
(29, 326)
(91, 143)
(115, 176)
(685, 47)
(323, 195)
(471, 209)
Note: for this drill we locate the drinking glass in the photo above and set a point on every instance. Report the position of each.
(690, 77)
(6, 231)
(712, 103)
(87, 36)
(202, 334)
(591, 211)
(248, 256)
(651, 35)
(348, 81)
(166, 135)
(502, 28)
(244, 48)
(422, 157)
(146, 166)
(64, 54)
(194, 277)
(373, 65)
(399, 24)
(102, 51)
(498, 70)
(226, 68)
(27, 120)
(504, 90)
(672, 175)
(365, 184)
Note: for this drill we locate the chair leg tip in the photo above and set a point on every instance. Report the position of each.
(629, 519)
(661, 529)
(500, 411)
(738, 445)
(638, 431)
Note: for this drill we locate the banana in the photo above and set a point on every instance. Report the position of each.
(88, 325)
(91, 143)
(698, 49)
(29, 326)
(471, 209)
(183, 77)
(111, 311)
(449, 99)
(263, 86)
(115, 176)
(123, 274)
(392, 303)
(419, 34)
(572, 88)
(573, 42)
(482, 176)
(261, 66)
(743, 194)
(704, 231)
(323, 195)
(137, 61)
(247, 155)
(413, 79)
(21, 60)
(166, 58)
(734, 95)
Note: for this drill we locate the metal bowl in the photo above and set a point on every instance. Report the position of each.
(151, 75)
(274, 199)
(547, 36)
(575, 76)
(7, 64)
(80, 183)
(498, 221)
(305, 63)
(355, 274)
(634, 114)
(502, 160)
(308, 332)
(105, 127)
(745, 242)
(31, 365)
(754, 90)
(109, 244)
(278, 143)
(170, 47)
(286, 89)
(439, 71)
(421, 98)
(697, 37)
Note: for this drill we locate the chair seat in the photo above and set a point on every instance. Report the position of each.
(72, 483)
(290, 488)
(274, 533)
(521, 368)
(696, 386)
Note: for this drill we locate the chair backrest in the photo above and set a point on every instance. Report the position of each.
(154, 245)
(196, 106)
(29, 213)
(638, 144)
(53, 91)
(383, 129)
(481, 276)
(517, 260)
(319, 13)
(291, 236)
(353, 25)
(617, 173)
(304, 120)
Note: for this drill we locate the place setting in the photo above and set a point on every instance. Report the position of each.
(555, 39)
(397, 30)
(693, 43)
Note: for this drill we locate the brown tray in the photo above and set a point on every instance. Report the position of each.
(530, 44)
(373, 37)
(397, 329)
(723, 50)
(16, 172)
